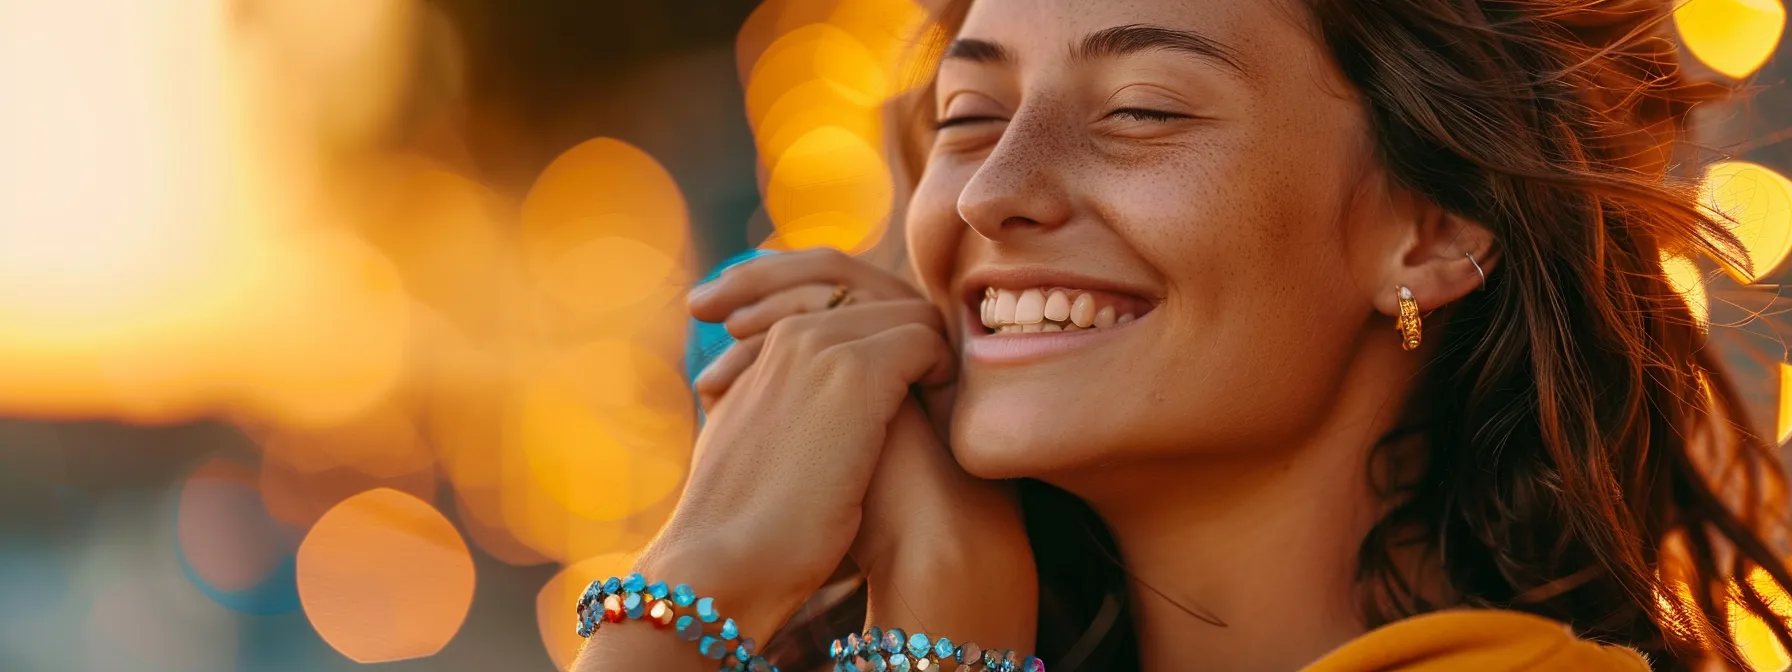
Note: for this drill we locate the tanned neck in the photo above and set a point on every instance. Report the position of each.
(1248, 561)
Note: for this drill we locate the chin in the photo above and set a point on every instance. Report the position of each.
(1026, 428)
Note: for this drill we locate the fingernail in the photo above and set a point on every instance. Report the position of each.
(700, 291)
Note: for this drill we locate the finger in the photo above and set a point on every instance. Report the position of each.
(758, 317)
(760, 277)
(721, 374)
(914, 353)
(809, 333)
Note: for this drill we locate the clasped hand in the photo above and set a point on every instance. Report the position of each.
(815, 447)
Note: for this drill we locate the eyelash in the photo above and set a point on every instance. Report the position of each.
(1142, 114)
(1135, 113)
(962, 121)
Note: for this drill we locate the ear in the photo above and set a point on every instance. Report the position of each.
(1438, 255)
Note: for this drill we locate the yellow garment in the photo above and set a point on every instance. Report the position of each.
(1477, 641)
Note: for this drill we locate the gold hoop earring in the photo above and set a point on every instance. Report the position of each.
(1408, 324)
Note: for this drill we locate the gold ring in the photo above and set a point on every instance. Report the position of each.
(841, 297)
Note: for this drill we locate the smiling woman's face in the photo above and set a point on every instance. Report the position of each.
(1195, 164)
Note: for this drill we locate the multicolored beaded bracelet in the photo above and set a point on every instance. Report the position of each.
(632, 598)
(896, 651)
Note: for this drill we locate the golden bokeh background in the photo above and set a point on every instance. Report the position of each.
(342, 333)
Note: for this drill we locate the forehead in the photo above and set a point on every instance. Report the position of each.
(1257, 31)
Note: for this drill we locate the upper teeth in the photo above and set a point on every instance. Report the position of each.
(1034, 310)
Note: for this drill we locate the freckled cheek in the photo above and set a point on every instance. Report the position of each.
(1205, 232)
(934, 228)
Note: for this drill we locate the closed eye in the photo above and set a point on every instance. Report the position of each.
(1143, 114)
(964, 121)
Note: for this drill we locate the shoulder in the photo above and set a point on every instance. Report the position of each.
(1477, 640)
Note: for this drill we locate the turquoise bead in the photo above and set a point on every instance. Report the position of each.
(837, 650)
(745, 648)
(689, 629)
(706, 610)
(1032, 664)
(918, 645)
(877, 662)
(992, 658)
(894, 640)
(683, 595)
(899, 663)
(874, 637)
(612, 585)
(712, 648)
(657, 590)
(634, 583)
(633, 606)
(943, 649)
(729, 630)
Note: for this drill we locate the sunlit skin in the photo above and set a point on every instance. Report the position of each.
(1223, 435)
(1202, 163)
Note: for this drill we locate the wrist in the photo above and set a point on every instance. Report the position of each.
(744, 588)
(968, 590)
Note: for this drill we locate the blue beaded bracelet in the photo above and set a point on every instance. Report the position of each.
(614, 600)
(896, 651)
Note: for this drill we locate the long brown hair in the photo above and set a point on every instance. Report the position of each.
(1584, 457)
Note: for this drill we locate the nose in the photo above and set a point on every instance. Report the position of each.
(1020, 186)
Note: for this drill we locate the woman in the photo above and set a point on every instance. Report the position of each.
(1161, 249)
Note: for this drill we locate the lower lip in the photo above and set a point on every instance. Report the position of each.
(988, 348)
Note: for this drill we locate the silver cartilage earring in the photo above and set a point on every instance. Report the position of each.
(1483, 274)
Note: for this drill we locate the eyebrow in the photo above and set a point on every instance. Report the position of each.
(1110, 43)
(1126, 40)
(978, 51)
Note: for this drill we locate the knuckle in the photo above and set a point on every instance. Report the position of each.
(782, 332)
(799, 332)
(840, 363)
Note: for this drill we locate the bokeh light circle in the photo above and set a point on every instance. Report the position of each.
(383, 576)
(229, 545)
(894, 32)
(331, 330)
(607, 407)
(602, 187)
(770, 20)
(1755, 203)
(809, 106)
(610, 273)
(1734, 37)
(831, 170)
(1760, 649)
(815, 52)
